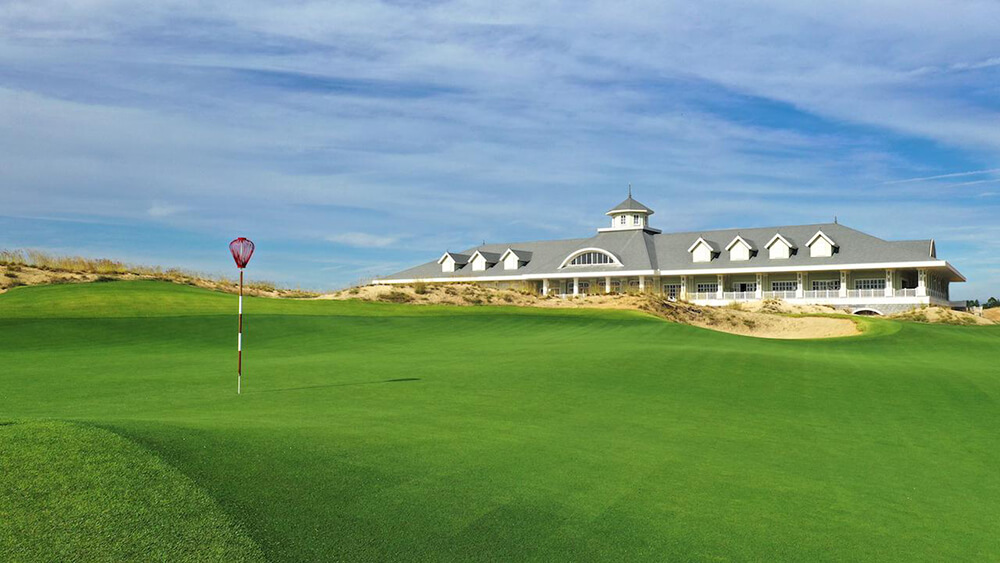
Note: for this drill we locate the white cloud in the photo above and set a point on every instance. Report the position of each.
(362, 240)
(161, 209)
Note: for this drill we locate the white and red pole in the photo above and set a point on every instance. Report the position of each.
(239, 343)
(242, 250)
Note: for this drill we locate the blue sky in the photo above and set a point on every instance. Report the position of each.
(355, 139)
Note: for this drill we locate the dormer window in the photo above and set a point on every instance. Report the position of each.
(622, 220)
(451, 262)
(779, 247)
(482, 260)
(514, 259)
(635, 220)
(821, 246)
(740, 249)
(702, 250)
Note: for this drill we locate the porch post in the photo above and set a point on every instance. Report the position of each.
(759, 293)
(545, 287)
(721, 280)
(800, 285)
(888, 282)
(576, 286)
(607, 284)
(684, 288)
(642, 284)
(843, 283)
(921, 283)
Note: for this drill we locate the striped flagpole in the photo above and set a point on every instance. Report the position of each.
(239, 344)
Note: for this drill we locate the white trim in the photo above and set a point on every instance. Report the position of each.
(575, 253)
(778, 237)
(701, 240)
(453, 255)
(689, 272)
(818, 235)
(511, 251)
(739, 239)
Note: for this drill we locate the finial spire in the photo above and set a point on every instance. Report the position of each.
(630, 189)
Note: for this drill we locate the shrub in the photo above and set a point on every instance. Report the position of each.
(11, 275)
(102, 279)
(354, 291)
(420, 288)
(396, 297)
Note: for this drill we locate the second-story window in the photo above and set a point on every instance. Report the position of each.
(635, 219)
(622, 220)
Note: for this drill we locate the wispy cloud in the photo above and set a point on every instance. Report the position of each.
(446, 123)
(363, 240)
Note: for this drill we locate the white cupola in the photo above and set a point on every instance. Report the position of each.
(629, 215)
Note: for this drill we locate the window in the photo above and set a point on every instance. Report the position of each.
(826, 285)
(869, 284)
(672, 290)
(635, 219)
(588, 258)
(621, 219)
(584, 287)
(708, 287)
(616, 286)
(784, 286)
(745, 287)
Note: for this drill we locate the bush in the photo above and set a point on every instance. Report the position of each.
(396, 297)
(102, 279)
(11, 275)
(420, 288)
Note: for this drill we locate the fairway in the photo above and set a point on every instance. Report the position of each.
(371, 431)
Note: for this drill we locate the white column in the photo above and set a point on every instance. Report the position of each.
(721, 280)
(607, 284)
(921, 283)
(684, 289)
(888, 282)
(800, 284)
(545, 287)
(576, 286)
(843, 283)
(642, 284)
(759, 294)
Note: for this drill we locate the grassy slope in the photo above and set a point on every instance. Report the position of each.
(70, 492)
(380, 431)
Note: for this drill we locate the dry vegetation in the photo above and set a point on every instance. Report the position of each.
(992, 314)
(32, 267)
(768, 319)
(940, 315)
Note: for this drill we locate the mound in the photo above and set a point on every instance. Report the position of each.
(940, 315)
(76, 493)
(992, 314)
(766, 319)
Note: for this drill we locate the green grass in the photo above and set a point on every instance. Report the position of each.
(375, 431)
(66, 492)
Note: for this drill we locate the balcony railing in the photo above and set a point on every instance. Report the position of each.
(822, 294)
(906, 293)
(779, 295)
(739, 295)
(703, 295)
(866, 293)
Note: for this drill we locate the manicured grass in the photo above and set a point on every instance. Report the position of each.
(80, 493)
(387, 432)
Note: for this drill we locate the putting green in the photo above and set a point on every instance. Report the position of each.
(385, 432)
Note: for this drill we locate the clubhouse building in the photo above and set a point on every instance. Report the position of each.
(827, 264)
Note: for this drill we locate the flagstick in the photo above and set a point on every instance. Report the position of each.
(239, 343)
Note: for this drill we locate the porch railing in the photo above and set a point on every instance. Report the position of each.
(779, 295)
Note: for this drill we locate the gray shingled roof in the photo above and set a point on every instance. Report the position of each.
(642, 250)
(629, 205)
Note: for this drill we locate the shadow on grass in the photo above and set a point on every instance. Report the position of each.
(398, 380)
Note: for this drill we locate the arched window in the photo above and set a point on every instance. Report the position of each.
(588, 258)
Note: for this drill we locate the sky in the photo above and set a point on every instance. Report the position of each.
(354, 139)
